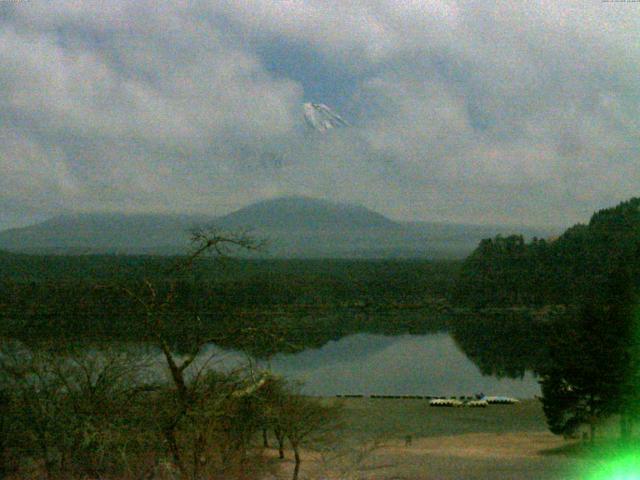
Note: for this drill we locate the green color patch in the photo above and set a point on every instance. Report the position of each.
(623, 464)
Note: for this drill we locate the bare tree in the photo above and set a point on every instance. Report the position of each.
(188, 396)
(303, 421)
(73, 406)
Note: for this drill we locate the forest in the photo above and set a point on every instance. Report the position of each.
(507, 271)
(311, 300)
(590, 365)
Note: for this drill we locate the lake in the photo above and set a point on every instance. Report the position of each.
(430, 364)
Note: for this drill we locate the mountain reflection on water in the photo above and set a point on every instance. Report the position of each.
(430, 364)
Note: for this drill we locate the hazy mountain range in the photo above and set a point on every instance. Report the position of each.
(294, 227)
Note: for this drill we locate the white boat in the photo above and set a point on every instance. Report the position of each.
(501, 400)
(481, 403)
(445, 402)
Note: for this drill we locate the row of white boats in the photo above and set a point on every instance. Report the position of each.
(477, 401)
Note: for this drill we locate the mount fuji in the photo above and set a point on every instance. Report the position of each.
(321, 118)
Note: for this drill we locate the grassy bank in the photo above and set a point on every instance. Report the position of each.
(395, 418)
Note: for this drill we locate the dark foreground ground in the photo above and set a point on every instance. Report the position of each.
(407, 439)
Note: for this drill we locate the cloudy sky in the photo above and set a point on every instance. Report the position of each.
(521, 112)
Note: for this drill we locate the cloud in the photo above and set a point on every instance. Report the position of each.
(517, 112)
(115, 101)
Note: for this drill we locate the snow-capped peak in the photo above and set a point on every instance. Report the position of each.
(321, 118)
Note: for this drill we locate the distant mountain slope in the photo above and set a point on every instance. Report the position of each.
(104, 233)
(295, 227)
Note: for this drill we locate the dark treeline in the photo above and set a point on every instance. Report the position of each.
(310, 302)
(250, 282)
(328, 279)
(584, 286)
(507, 271)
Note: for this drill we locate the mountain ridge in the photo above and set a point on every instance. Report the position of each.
(294, 210)
(294, 226)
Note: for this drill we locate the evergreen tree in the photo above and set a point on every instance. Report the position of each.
(592, 370)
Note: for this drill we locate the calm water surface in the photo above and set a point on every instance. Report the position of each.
(392, 365)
